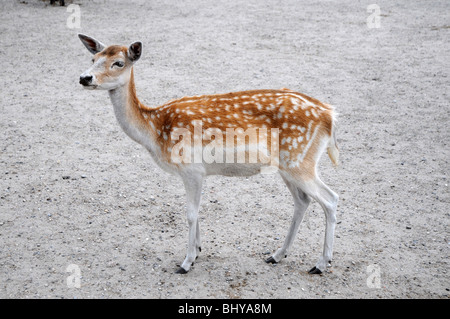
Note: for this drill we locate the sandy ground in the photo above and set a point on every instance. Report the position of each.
(76, 194)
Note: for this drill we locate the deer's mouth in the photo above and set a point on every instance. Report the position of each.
(86, 82)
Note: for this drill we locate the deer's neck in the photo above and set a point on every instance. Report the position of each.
(129, 113)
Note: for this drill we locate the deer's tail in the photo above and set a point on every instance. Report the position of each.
(332, 149)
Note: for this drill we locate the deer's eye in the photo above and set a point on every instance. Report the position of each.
(119, 64)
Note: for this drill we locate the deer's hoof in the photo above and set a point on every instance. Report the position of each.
(181, 270)
(271, 260)
(315, 271)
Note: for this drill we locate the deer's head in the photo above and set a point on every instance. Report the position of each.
(111, 66)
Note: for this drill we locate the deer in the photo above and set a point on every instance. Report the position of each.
(61, 2)
(177, 132)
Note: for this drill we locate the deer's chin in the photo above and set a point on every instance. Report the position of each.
(90, 87)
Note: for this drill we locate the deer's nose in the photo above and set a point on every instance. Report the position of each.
(85, 80)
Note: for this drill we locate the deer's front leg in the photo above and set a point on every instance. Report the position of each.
(193, 185)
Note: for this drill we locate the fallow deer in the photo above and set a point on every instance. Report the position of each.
(300, 128)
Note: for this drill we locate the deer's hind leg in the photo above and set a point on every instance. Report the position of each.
(301, 202)
(304, 187)
(328, 200)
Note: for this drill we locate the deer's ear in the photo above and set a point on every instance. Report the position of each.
(134, 51)
(91, 44)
